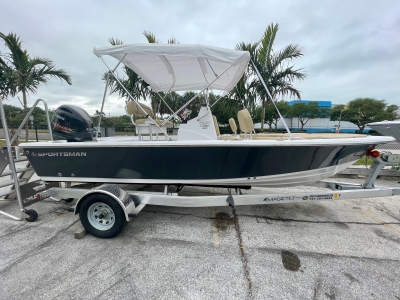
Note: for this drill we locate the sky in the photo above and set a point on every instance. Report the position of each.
(351, 48)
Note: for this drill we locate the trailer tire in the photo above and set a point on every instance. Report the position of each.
(33, 215)
(102, 216)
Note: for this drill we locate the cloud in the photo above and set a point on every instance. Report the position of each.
(351, 48)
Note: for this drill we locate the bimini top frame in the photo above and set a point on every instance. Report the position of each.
(179, 67)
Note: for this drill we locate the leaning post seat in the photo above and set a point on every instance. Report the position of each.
(233, 126)
(159, 122)
(133, 109)
(245, 122)
(146, 126)
(216, 126)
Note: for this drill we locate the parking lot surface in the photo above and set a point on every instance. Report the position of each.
(347, 249)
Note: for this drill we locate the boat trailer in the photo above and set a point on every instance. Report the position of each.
(104, 210)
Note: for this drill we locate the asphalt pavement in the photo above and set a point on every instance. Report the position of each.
(347, 249)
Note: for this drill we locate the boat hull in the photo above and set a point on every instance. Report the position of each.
(227, 165)
(388, 128)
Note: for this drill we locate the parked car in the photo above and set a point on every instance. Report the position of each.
(98, 130)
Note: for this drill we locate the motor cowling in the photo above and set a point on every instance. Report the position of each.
(72, 123)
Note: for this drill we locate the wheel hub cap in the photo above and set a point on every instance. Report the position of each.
(101, 216)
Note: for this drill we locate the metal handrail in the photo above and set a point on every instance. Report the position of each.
(26, 119)
(9, 142)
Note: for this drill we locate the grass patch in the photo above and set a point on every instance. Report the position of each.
(367, 161)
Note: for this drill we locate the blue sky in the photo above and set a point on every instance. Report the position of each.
(351, 47)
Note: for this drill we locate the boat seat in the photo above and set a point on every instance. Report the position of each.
(232, 124)
(216, 126)
(133, 109)
(148, 121)
(246, 124)
(146, 127)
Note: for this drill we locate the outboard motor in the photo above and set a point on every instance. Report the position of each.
(72, 123)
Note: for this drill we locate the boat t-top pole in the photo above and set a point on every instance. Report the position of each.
(165, 101)
(272, 100)
(104, 96)
(137, 102)
(102, 106)
(187, 103)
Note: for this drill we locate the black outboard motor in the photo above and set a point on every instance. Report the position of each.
(72, 123)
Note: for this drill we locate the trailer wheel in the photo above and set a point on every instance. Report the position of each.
(33, 215)
(102, 216)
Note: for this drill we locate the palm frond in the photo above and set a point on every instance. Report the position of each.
(173, 41)
(115, 42)
(266, 44)
(29, 73)
(151, 38)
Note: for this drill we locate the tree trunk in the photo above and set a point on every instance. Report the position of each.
(262, 115)
(303, 122)
(26, 111)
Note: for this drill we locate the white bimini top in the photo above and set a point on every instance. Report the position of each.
(177, 67)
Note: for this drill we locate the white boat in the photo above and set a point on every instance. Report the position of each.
(198, 155)
(389, 128)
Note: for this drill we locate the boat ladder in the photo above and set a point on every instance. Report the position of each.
(18, 185)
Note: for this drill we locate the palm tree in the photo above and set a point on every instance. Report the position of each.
(7, 80)
(244, 94)
(28, 73)
(274, 67)
(174, 101)
(98, 114)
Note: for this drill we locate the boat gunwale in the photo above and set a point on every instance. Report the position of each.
(214, 143)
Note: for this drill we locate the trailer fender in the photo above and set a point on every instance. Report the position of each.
(114, 192)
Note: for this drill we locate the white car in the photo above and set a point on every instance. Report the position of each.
(98, 130)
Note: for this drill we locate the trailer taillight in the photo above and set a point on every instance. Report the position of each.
(373, 153)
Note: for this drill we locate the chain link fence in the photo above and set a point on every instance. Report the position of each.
(36, 132)
(366, 162)
(40, 132)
